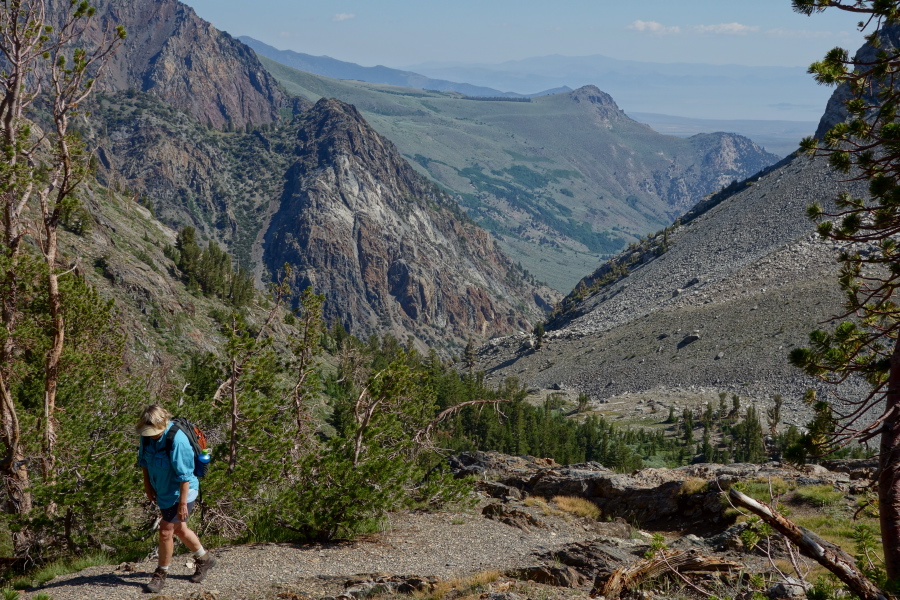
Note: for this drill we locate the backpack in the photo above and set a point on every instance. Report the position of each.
(195, 437)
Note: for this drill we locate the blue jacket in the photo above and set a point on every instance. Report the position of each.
(167, 473)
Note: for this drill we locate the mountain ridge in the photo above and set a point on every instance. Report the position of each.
(559, 179)
(175, 55)
(160, 143)
(339, 69)
(693, 90)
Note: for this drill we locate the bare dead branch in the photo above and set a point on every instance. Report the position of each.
(825, 553)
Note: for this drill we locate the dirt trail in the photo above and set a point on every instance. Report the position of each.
(443, 545)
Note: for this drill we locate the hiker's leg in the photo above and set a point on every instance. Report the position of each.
(166, 543)
(188, 537)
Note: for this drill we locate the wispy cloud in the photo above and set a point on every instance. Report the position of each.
(653, 27)
(342, 17)
(726, 29)
(656, 28)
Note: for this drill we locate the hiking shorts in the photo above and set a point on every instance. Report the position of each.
(170, 515)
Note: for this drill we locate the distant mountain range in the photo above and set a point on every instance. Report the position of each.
(691, 90)
(779, 137)
(339, 69)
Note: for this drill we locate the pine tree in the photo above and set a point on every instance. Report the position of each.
(538, 332)
(688, 419)
(582, 402)
(55, 66)
(866, 343)
(749, 445)
(735, 406)
(188, 254)
(469, 355)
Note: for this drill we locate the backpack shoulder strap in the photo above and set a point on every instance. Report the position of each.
(170, 436)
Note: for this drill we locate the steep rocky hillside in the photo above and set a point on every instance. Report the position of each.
(219, 182)
(173, 54)
(404, 260)
(389, 250)
(562, 180)
(713, 305)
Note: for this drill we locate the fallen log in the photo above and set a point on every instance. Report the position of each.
(665, 561)
(825, 553)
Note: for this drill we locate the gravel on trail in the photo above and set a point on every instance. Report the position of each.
(444, 545)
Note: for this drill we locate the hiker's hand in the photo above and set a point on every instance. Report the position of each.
(151, 493)
(182, 512)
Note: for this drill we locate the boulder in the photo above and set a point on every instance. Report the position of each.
(511, 516)
(558, 576)
(789, 588)
(495, 489)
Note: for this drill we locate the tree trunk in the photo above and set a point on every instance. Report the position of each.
(627, 577)
(232, 446)
(13, 468)
(51, 367)
(889, 472)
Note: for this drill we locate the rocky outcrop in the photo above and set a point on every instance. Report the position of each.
(654, 498)
(180, 58)
(836, 111)
(599, 102)
(389, 251)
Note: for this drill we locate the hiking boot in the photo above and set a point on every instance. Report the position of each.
(156, 582)
(203, 565)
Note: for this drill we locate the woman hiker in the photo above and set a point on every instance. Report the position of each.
(169, 479)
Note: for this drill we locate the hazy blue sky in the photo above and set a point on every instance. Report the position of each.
(399, 33)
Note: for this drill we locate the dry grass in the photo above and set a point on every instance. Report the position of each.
(545, 508)
(541, 504)
(694, 485)
(577, 506)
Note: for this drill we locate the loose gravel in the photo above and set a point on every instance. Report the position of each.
(739, 287)
(443, 545)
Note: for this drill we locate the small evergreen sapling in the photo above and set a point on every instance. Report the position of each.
(538, 332)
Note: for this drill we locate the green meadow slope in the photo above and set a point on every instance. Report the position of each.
(562, 181)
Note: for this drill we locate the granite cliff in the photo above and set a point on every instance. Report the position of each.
(389, 250)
